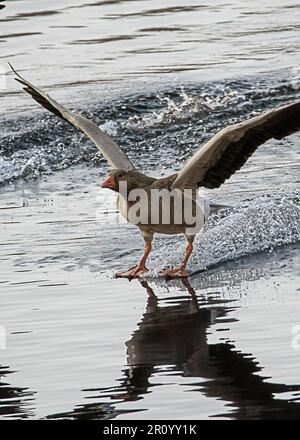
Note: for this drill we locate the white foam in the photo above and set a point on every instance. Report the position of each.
(264, 224)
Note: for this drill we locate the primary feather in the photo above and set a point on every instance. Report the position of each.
(110, 150)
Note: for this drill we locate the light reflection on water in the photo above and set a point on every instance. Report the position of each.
(81, 344)
(124, 41)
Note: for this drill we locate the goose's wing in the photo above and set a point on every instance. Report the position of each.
(229, 149)
(110, 150)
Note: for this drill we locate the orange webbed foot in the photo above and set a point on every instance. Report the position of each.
(179, 272)
(134, 272)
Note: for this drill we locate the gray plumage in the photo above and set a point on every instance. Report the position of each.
(231, 147)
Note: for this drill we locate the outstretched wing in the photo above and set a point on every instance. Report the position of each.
(229, 149)
(110, 150)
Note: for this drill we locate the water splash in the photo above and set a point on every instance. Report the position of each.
(173, 109)
(263, 224)
(170, 123)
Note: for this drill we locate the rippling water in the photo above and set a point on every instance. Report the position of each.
(161, 79)
(74, 45)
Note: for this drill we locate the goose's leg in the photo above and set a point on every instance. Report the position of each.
(180, 272)
(141, 268)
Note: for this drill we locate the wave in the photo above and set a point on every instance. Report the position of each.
(150, 126)
(264, 224)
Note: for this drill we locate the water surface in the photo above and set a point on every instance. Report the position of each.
(161, 79)
(75, 46)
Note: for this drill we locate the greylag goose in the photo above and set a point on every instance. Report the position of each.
(151, 203)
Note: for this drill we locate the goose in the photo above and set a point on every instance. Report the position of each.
(215, 162)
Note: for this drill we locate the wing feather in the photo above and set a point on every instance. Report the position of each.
(231, 147)
(110, 150)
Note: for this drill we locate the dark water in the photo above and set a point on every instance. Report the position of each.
(161, 79)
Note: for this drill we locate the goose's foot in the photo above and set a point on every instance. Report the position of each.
(179, 272)
(140, 268)
(134, 272)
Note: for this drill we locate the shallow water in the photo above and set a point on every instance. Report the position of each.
(161, 80)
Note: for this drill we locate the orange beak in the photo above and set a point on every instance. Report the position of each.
(110, 183)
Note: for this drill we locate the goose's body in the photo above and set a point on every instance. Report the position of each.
(146, 221)
(209, 167)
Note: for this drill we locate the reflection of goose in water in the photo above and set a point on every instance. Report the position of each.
(14, 402)
(175, 337)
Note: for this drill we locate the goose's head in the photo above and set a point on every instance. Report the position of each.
(114, 178)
